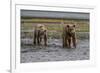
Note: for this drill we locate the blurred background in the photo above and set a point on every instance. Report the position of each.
(54, 27)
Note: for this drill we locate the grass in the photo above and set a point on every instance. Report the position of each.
(57, 27)
(54, 26)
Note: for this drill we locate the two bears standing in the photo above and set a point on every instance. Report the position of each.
(68, 35)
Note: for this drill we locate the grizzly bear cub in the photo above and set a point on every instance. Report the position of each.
(69, 36)
(40, 33)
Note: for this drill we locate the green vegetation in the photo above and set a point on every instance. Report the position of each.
(54, 26)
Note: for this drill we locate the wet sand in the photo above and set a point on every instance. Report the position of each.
(54, 52)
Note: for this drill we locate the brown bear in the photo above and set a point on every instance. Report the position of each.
(69, 36)
(40, 33)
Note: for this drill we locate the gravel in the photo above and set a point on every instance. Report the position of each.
(54, 51)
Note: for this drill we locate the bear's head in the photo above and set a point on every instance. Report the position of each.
(70, 28)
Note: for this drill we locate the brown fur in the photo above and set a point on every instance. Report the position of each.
(40, 33)
(69, 36)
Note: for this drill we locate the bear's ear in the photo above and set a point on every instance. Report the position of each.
(67, 25)
(74, 25)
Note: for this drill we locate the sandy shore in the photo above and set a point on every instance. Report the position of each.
(55, 52)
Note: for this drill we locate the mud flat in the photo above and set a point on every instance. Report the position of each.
(55, 52)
